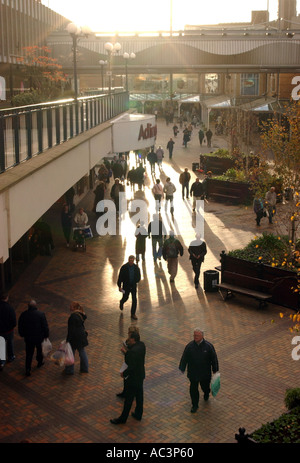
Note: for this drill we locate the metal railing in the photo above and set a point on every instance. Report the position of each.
(30, 130)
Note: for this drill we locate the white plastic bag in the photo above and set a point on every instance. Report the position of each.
(215, 384)
(46, 347)
(67, 349)
(64, 355)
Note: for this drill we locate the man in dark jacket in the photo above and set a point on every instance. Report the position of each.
(8, 322)
(201, 359)
(197, 250)
(134, 376)
(129, 276)
(197, 192)
(33, 327)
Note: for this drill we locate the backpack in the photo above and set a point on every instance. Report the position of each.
(172, 250)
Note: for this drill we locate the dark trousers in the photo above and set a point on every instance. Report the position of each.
(133, 391)
(196, 268)
(125, 297)
(194, 390)
(30, 346)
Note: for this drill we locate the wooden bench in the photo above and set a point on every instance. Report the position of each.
(233, 282)
(224, 196)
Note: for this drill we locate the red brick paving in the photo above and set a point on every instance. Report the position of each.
(254, 354)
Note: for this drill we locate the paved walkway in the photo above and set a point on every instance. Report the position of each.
(254, 354)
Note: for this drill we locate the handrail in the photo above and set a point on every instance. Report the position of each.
(27, 131)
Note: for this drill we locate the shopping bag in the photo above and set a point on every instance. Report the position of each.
(64, 355)
(215, 384)
(58, 357)
(46, 347)
(2, 349)
(69, 356)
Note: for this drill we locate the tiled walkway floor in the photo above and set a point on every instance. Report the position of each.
(254, 354)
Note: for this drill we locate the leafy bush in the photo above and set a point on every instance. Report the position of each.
(284, 430)
(268, 249)
(292, 398)
(233, 175)
(24, 99)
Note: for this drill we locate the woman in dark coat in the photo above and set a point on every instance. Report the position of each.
(66, 223)
(77, 337)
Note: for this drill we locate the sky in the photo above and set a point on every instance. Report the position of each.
(154, 15)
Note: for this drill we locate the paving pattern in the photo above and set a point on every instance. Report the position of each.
(253, 346)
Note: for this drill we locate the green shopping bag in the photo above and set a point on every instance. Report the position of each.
(215, 384)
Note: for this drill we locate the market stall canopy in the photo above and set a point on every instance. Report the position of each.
(133, 132)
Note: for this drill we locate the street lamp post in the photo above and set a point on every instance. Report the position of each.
(111, 49)
(127, 56)
(76, 32)
(102, 64)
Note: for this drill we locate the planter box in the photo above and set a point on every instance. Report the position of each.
(218, 164)
(221, 190)
(284, 280)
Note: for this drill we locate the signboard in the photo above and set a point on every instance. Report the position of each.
(133, 132)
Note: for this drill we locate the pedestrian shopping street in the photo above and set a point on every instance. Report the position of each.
(253, 346)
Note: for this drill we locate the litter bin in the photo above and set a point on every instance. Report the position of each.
(211, 279)
(195, 165)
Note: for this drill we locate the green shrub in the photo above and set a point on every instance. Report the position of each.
(28, 98)
(268, 249)
(284, 430)
(292, 398)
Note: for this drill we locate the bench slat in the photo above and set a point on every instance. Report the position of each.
(248, 292)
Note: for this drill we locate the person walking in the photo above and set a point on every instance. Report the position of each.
(77, 337)
(158, 193)
(208, 137)
(258, 207)
(140, 243)
(186, 137)
(129, 277)
(200, 358)
(66, 223)
(201, 136)
(197, 192)
(33, 327)
(8, 322)
(152, 159)
(99, 195)
(157, 232)
(175, 130)
(169, 190)
(171, 249)
(159, 156)
(184, 180)
(131, 178)
(197, 250)
(115, 191)
(170, 147)
(270, 201)
(134, 376)
(124, 350)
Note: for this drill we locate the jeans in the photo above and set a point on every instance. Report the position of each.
(272, 212)
(185, 187)
(157, 253)
(84, 363)
(169, 198)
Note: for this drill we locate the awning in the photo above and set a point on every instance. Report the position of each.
(261, 104)
(221, 101)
